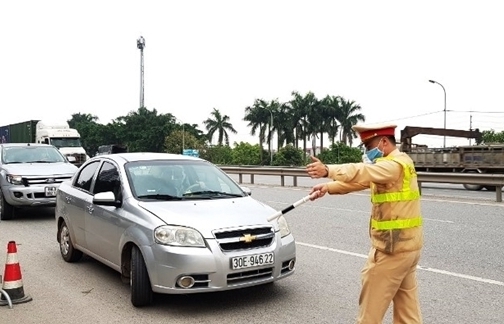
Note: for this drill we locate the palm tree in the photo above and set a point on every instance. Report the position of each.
(306, 116)
(349, 117)
(333, 110)
(258, 117)
(283, 122)
(219, 124)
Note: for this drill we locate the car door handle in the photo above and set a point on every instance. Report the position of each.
(90, 209)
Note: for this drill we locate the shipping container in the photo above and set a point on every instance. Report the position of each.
(23, 132)
(4, 134)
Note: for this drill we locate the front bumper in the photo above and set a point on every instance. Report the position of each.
(211, 267)
(33, 195)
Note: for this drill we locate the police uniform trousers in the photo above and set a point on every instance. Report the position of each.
(390, 278)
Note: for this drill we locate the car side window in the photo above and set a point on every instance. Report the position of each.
(108, 180)
(85, 176)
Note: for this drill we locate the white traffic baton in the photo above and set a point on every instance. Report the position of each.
(294, 205)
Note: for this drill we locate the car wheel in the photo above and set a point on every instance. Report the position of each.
(67, 250)
(141, 291)
(6, 210)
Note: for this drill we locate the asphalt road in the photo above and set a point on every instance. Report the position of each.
(461, 277)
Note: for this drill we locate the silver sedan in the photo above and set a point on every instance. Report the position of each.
(170, 224)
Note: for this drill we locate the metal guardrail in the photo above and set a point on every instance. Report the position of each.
(496, 180)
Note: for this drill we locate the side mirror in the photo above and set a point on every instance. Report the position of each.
(247, 190)
(106, 199)
(71, 159)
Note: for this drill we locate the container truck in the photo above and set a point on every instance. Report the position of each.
(66, 139)
(488, 158)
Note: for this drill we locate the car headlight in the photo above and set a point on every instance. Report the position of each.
(178, 236)
(284, 228)
(15, 179)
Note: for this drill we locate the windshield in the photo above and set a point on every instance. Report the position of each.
(31, 154)
(65, 142)
(176, 180)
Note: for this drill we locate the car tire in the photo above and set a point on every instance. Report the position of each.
(141, 291)
(6, 210)
(67, 250)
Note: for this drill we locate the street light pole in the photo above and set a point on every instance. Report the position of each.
(141, 45)
(444, 138)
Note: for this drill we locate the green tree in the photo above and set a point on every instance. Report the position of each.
(490, 136)
(219, 124)
(288, 156)
(349, 116)
(218, 154)
(246, 154)
(174, 141)
(284, 123)
(144, 130)
(340, 153)
(333, 115)
(80, 118)
(257, 116)
(308, 117)
(89, 130)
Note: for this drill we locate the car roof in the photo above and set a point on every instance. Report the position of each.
(145, 156)
(26, 144)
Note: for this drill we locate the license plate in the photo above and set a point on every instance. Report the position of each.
(254, 260)
(50, 191)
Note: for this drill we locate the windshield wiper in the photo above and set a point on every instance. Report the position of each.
(160, 197)
(212, 192)
(40, 161)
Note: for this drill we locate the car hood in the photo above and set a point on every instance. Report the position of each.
(209, 215)
(40, 169)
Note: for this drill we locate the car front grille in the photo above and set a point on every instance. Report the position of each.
(28, 181)
(248, 276)
(244, 238)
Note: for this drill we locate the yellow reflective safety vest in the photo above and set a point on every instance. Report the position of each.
(396, 221)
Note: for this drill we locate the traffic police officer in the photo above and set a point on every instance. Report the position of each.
(395, 226)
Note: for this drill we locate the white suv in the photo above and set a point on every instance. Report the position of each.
(30, 175)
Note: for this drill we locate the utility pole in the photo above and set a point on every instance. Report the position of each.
(141, 45)
(470, 127)
(444, 138)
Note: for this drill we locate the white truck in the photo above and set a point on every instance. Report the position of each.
(66, 139)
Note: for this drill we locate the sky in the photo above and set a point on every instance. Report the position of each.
(64, 57)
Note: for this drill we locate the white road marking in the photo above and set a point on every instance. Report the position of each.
(439, 220)
(444, 272)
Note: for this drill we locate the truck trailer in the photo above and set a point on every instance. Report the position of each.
(487, 158)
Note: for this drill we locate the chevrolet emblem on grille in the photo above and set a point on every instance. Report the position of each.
(247, 238)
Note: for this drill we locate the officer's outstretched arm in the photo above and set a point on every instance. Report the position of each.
(341, 188)
(379, 172)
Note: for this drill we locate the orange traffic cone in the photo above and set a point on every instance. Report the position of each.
(13, 283)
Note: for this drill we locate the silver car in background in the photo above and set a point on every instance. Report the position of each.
(30, 175)
(171, 224)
